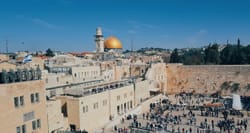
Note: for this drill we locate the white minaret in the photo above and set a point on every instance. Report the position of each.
(99, 40)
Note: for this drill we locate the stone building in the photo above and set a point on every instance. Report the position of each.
(7, 66)
(4, 57)
(101, 103)
(23, 107)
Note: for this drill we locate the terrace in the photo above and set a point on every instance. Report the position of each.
(95, 89)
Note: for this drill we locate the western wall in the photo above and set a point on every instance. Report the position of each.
(208, 79)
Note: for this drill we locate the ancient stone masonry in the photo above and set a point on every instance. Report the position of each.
(224, 79)
(19, 75)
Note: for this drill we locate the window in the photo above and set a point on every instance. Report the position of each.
(104, 102)
(86, 108)
(16, 102)
(21, 100)
(52, 93)
(34, 125)
(118, 98)
(57, 79)
(24, 128)
(37, 97)
(18, 130)
(125, 95)
(38, 123)
(83, 109)
(131, 104)
(95, 105)
(118, 109)
(32, 98)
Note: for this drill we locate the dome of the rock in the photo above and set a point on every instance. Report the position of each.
(112, 43)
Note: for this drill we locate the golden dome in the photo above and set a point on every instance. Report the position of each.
(112, 43)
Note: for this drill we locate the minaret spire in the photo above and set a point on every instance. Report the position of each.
(99, 40)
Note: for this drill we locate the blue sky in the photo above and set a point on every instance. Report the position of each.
(69, 25)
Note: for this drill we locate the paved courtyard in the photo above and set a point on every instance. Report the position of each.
(178, 118)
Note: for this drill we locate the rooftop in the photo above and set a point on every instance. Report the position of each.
(97, 88)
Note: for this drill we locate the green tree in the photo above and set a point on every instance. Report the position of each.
(247, 51)
(212, 54)
(166, 58)
(235, 54)
(174, 57)
(193, 57)
(49, 53)
(226, 54)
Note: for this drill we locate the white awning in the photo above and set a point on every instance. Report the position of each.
(229, 97)
(154, 89)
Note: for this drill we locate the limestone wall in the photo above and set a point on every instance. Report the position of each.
(55, 117)
(4, 57)
(121, 72)
(157, 76)
(141, 91)
(13, 116)
(122, 98)
(7, 66)
(207, 78)
(80, 74)
(96, 111)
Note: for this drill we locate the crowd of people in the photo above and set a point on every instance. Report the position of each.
(187, 114)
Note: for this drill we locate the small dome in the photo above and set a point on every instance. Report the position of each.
(112, 43)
